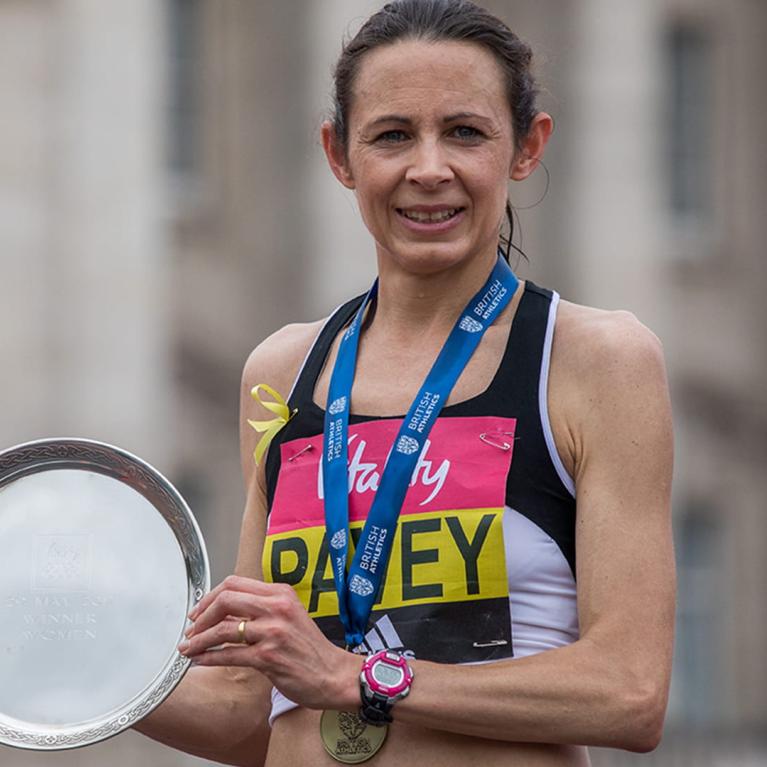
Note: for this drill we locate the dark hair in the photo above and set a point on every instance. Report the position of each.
(433, 21)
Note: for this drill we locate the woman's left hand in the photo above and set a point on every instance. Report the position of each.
(281, 641)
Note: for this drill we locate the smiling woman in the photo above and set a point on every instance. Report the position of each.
(457, 548)
(430, 162)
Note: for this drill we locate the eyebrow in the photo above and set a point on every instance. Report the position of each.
(465, 116)
(394, 118)
(389, 119)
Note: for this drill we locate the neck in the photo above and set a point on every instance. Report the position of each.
(427, 303)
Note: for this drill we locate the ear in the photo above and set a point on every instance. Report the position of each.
(336, 154)
(530, 153)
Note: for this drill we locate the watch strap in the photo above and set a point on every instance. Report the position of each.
(375, 709)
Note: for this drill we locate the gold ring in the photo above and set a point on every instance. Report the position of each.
(241, 633)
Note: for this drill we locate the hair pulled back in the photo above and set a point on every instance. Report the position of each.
(435, 21)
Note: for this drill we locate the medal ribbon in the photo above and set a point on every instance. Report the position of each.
(358, 592)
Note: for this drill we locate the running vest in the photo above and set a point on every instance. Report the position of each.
(482, 566)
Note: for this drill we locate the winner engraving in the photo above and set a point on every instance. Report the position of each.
(59, 635)
(69, 626)
(60, 619)
(56, 617)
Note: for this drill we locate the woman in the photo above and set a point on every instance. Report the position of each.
(539, 401)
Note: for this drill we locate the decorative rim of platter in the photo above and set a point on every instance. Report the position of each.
(89, 455)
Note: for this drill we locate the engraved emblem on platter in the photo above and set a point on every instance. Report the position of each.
(62, 563)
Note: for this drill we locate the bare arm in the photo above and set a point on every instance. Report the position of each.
(221, 713)
(610, 687)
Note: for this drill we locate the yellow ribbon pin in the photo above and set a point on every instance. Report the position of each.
(280, 408)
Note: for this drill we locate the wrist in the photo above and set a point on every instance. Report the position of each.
(385, 678)
(345, 683)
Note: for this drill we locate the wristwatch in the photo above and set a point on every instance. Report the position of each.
(385, 678)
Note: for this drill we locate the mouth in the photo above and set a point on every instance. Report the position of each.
(436, 216)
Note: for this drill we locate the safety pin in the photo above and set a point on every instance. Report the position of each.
(491, 643)
(501, 445)
(301, 452)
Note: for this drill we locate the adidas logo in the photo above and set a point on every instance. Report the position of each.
(383, 636)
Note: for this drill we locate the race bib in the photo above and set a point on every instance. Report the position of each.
(445, 593)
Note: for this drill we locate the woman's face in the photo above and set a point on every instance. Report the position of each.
(430, 152)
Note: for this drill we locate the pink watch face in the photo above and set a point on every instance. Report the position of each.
(387, 673)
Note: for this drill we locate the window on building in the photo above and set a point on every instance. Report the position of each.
(696, 695)
(690, 90)
(184, 65)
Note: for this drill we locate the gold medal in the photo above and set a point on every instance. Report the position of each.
(348, 739)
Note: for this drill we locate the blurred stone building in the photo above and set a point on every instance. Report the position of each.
(164, 205)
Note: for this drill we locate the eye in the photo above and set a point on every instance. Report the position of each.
(467, 133)
(391, 137)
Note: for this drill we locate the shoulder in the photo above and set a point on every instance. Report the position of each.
(607, 380)
(594, 343)
(275, 362)
(278, 358)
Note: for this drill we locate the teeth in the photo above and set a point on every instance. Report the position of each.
(442, 215)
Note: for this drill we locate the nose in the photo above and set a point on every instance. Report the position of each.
(429, 167)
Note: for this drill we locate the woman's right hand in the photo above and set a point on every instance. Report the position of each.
(280, 640)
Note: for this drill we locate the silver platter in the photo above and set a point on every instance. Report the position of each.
(100, 562)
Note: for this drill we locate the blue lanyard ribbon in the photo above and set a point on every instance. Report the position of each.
(358, 592)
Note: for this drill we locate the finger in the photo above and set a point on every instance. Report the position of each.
(230, 583)
(220, 634)
(228, 604)
(237, 655)
(205, 601)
